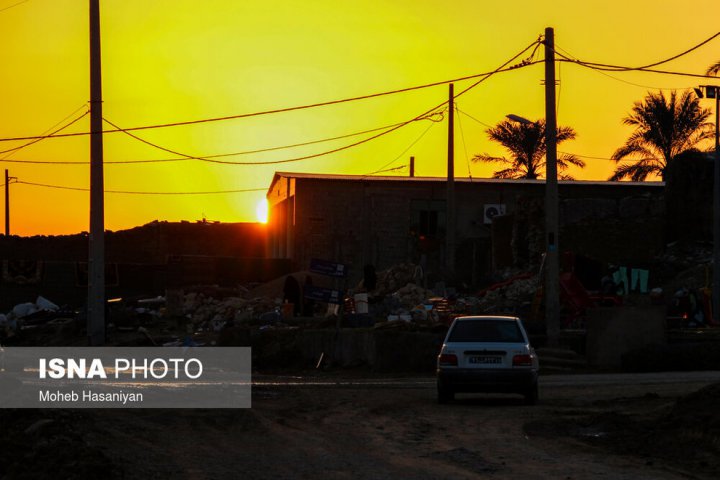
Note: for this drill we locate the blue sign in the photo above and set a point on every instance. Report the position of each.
(331, 269)
(322, 294)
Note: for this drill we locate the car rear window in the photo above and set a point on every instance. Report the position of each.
(505, 331)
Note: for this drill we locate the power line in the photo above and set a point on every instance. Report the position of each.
(13, 5)
(211, 158)
(644, 67)
(601, 72)
(296, 159)
(190, 157)
(462, 137)
(617, 68)
(43, 137)
(301, 107)
(127, 192)
(423, 115)
(475, 119)
(382, 169)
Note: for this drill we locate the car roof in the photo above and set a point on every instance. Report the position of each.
(487, 317)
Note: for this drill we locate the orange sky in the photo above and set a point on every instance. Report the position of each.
(168, 61)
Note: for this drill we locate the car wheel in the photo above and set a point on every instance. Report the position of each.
(444, 395)
(532, 396)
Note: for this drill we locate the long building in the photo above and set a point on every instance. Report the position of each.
(383, 220)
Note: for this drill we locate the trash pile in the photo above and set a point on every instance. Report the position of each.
(507, 296)
(31, 314)
(207, 313)
(395, 278)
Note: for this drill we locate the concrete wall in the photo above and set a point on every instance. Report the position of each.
(614, 331)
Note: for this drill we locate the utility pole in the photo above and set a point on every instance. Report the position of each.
(7, 202)
(552, 267)
(450, 201)
(712, 91)
(716, 213)
(96, 250)
(412, 166)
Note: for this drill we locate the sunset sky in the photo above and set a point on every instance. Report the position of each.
(173, 61)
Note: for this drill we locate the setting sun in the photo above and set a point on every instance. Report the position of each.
(261, 211)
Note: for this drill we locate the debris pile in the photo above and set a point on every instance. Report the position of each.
(397, 277)
(508, 297)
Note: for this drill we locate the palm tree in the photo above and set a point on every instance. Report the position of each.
(714, 69)
(664, 128)
(525, 141)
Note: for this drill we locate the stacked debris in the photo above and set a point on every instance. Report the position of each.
(397, 277)
(207, 313)
(508, 296)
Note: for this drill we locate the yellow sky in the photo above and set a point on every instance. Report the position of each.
(167, 61)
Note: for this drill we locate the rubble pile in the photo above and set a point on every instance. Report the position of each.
(412, 295)
(397, 277)
(509, 297)
(212, 314)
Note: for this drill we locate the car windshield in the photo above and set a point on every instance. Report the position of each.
(504, 331)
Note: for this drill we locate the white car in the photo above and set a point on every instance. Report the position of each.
(490, 354)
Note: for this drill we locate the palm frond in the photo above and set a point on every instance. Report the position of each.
(714, 69)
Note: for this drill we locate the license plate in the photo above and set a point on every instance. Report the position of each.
(485, 360)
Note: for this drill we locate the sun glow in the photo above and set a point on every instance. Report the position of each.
(261, 211)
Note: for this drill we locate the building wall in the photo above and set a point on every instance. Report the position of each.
(385, 222)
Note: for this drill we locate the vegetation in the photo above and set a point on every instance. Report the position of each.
(525, 141)
(664, 128)
(714, 69)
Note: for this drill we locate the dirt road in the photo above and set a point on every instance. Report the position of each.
(331, 426)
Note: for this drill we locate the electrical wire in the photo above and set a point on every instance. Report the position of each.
(39, 139)
(462, 137)
(304, 157)
(401, 153)
(475, 119)
(644, 67)
(190, 157)
(210, 158)
(13, 5)
(601, 72)
(127, 192)
(428, 113)
(301, 107)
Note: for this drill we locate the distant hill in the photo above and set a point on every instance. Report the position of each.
(150, 243)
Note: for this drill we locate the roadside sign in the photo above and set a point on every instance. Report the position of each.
(325, 267)
(322, 294)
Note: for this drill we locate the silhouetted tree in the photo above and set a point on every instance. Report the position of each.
(664, 128)
(714, 69)
(526, 144)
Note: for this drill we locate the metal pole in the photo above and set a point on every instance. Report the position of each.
(412, 166)
(552, 268)
(450, 201)
(96, 250)
(7, 203)
(716, 215)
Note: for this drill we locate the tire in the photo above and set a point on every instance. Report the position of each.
(532, 396)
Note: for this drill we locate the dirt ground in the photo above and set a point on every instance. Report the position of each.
(389, 428)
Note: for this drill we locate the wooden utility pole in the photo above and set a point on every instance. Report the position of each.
(450, 201)
(96, 250)
(412, 166)
(552, 267)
